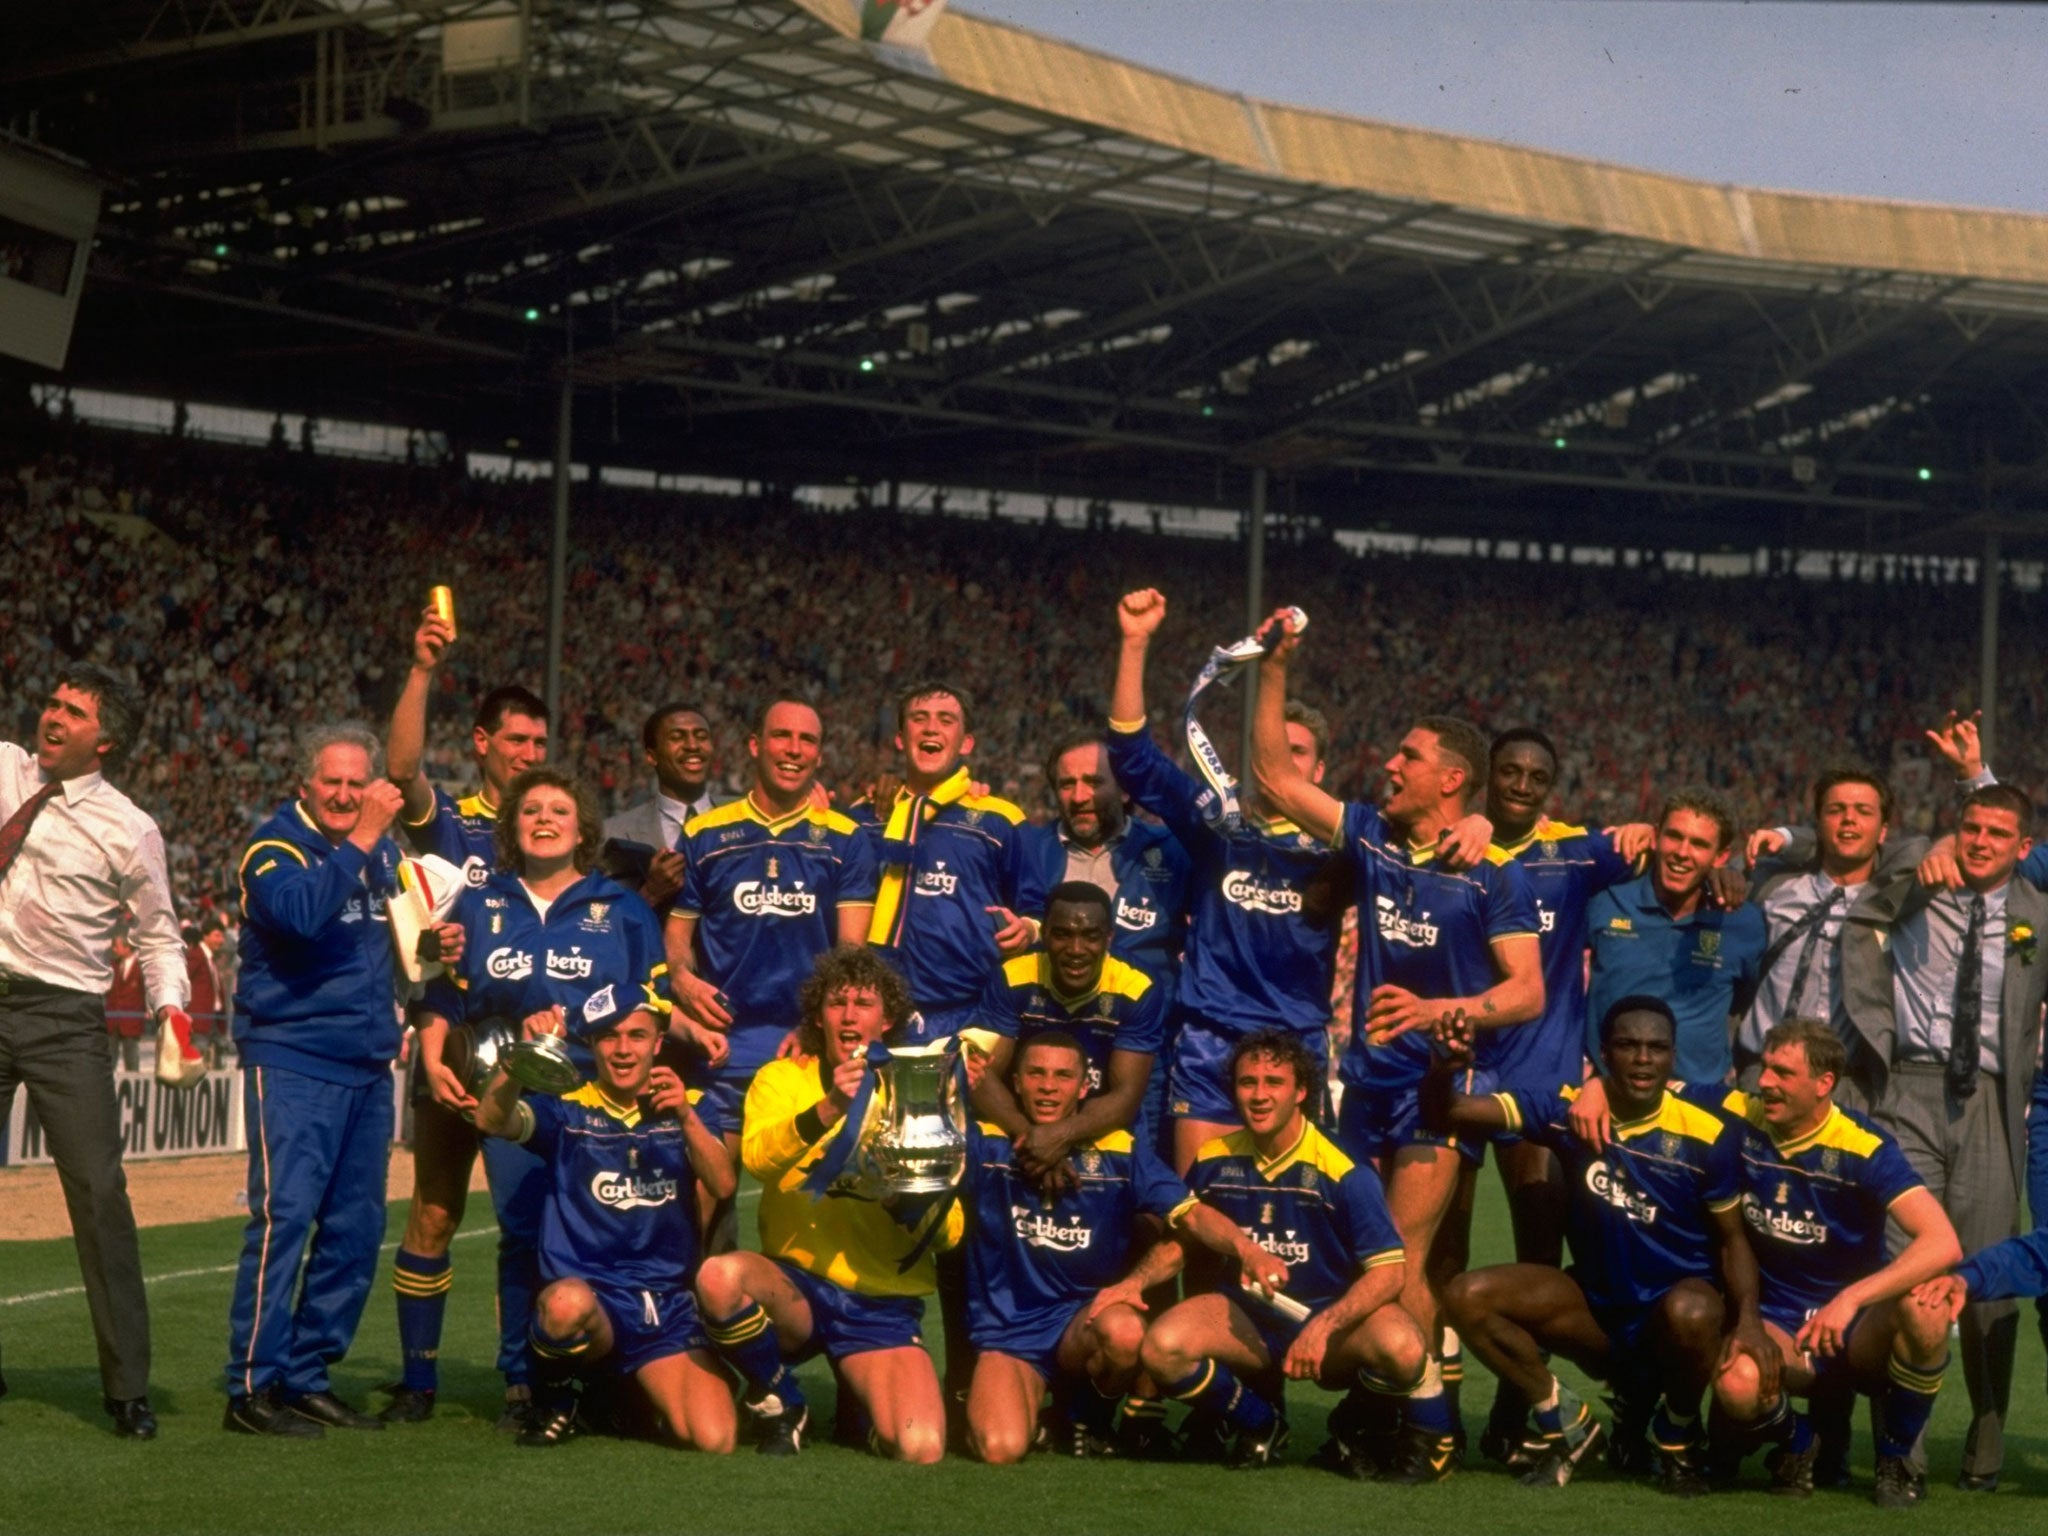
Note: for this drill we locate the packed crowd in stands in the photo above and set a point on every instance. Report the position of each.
(250, 592)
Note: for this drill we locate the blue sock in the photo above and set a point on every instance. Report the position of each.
(1908, 1401)
(422, 1286)
(1092, 1408)
(1428, 1408)
(1784, 1425)
(1670, 1431)
(1376, 1403)
(1213, 1386)
(747, 1341)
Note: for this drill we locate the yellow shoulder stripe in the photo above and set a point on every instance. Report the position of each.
(1022, 970)
(1122, 979)
(993, 805)
(719, 816)
(1114, 1141)
(270, 842)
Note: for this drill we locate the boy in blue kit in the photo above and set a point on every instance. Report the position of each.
(1074, 986)
(1053, 1297)
(618, 1244)
(1663, 1282)
(771, 881)
(1433, 942)
(1309, 1230)
(1819, 1184)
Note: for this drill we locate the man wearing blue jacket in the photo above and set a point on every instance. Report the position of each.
(317, 1027)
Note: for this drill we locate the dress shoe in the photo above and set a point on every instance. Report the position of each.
(326, 1409)
(132, 1417)
(262, 1415)
(1977, 1482)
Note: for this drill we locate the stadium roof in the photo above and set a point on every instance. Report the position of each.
(777, 252)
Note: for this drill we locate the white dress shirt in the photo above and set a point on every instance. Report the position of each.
(1927, 951)
(90, 852)
(675, 813)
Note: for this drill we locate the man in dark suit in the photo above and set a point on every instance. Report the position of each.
(676, 743)
(1945, 989)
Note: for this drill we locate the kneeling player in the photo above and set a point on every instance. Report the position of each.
(1653, 1220)
(1049, 1300)
(836, 1273)
(618, 1237)
(1818, 1185)
(1310, 1231)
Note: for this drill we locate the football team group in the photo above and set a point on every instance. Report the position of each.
(1760, 1106)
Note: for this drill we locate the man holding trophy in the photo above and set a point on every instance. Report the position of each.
(852, 1218)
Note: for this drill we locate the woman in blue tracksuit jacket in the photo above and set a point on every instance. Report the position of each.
(550, 945)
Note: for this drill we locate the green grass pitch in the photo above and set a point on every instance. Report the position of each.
(60, 1469)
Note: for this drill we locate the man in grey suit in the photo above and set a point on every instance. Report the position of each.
(1945, 988)
(676, 743)
(1806, 882)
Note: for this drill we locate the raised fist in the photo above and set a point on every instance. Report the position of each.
(1140, 613)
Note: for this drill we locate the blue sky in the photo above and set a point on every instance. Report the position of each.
(1934, 103)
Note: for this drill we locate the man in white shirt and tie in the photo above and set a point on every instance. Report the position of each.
(73, 851)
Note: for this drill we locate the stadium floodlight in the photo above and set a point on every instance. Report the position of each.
(867, 365)
(1926, 474)
(533, 314)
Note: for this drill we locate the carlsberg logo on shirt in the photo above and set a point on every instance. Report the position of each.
(1041, 1229)
(760, 900)
(1615, 1190)
(1136, 919)
(1243, 889)
(509, 964)
(1288, 1250)
(1783, 1225)
(631, 1191)
(1396, 927)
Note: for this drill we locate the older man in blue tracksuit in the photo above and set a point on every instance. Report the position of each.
(317, 1027)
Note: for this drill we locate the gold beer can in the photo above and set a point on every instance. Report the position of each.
(442, 601)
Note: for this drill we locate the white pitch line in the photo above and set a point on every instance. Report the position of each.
(189, 1274)
(752, 1192)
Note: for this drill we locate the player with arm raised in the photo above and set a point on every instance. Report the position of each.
(509, 736)
(1261, 949)
(1432, 942)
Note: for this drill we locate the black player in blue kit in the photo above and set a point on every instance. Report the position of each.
(618, 1239)
(1057, 1270)
(1819, 1185)
(1663, 1286)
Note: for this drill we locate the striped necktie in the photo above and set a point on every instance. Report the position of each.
(1969, 1009)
